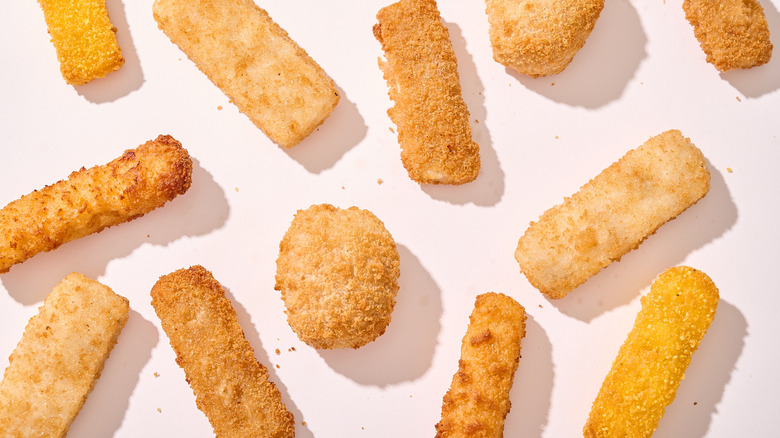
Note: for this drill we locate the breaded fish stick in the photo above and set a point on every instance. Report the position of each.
(732, 33)
(92, 199)
(254, 62)
(613, 213)
(540, 37)
(231, 387)
(422, 76)
(651, 363)
(59, 358)
(478, 399)
(84, 38)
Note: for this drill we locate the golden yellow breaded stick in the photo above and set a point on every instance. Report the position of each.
(90, 200)
(422, 76)
(59, 358)
(613, 213)
(478, 399)
(651, 363)
(237, 45)
(84, 38)
(540, 37)
(231, 387)
(732, 33)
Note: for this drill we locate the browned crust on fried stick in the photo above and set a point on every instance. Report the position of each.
(231, 387)
(613, 213)
(478, 399)
(732, 33)
(422, 76)
(90, 200)
(271, 79)
(59, 358)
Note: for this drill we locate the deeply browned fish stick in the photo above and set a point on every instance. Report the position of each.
(732, 33)
(59, 358)
(478, 399)
(90, 200)
(651, 363)
(613, 213)
(422, 76)
(254, 62)
(231, 387)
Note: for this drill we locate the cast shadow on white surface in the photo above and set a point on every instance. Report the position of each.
(488, 188)
(601, 70)
(198, 212)
(405, 351)
(104, 410)
(619, 283)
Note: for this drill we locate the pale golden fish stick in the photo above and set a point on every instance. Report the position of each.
(732, 33)
(237, 45)
(651, 363)
(231, 387)
(429, 112)
(59, 358)
(478, 399)
(613, 213)
(540, 37)
(90, 200)
(84, 38)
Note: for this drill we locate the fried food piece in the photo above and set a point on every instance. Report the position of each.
(84, 38)
(651, 363)
(338, 274)
(540, 37)
(422, 76)
(231, 387)
(613, 213)
(478, 399)
(90, 200)
(59, 358)
(254, 62)
(732, 33)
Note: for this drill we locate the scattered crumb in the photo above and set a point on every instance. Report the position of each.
(540, 306)
(236, 189)
(552, 84)
(556, 137)
(391, 130)
(291, 349)
(159, 410)
(476, 121)
(148, 235)
(728, 169)
(342, 187)
(695, 403)
(379, 181)
(303, 423)
(277, 352)
(738, 99)
(219, 107)
(277, 366)
(156, 374)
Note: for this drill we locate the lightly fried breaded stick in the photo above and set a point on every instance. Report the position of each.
(732, 33)
(422, 76)
(478, 399)
(540, 37)
(90, 200)
(60, 356)
(651, 363)
(84, 38)
(613, 213)
(266, 74)
(231, 387)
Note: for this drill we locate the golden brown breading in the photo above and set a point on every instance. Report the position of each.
(422, 76)
(90, 200)
(338, 274)
(84, 38)
(540, 37)
(732, 33)
(651, 363)
(231, 387)
(478, 399)
(254, 62)
(59, 358)
(613, 213)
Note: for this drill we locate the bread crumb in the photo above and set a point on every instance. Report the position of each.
(219, 107)
(156, 374)
(277, 352)
(277, 366)
(159, 410)
(379, 181)
(728, 169)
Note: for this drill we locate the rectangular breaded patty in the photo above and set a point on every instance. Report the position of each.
(231, 387)
(613, 213)
(268, 76)
(60, 356)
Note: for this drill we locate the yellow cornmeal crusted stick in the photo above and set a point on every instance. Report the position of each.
(59, 358)
(84, 38)
(652, 361)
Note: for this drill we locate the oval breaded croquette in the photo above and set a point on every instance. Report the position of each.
(90, 200)
(338, 274)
